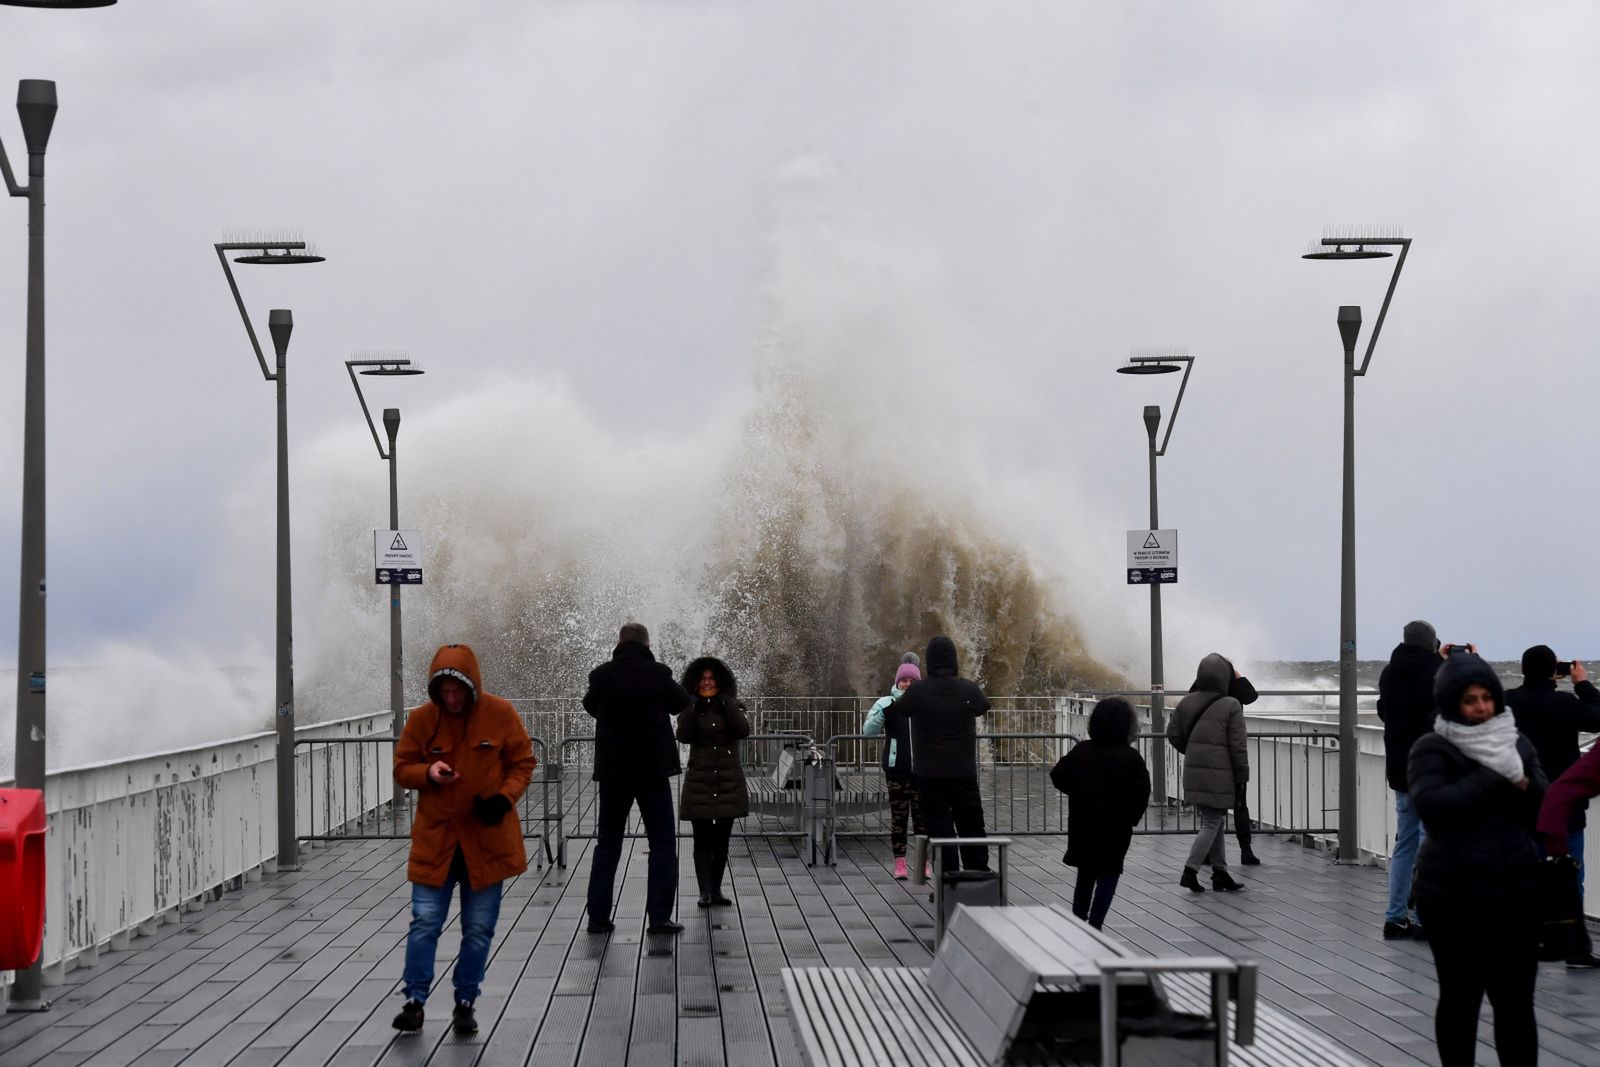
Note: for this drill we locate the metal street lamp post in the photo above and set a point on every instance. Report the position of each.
(1158, 361)
(36, 106)
(390, 367)
(1369, 245)
(280, 323)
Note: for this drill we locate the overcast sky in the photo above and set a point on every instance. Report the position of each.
(583, 196)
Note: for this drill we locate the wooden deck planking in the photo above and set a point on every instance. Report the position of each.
(304, 967)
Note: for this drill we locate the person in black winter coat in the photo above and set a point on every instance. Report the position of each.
(632, 699)
(1108, 789)
(1477, 785)
(714, 793)
(943, 710)
(1405, 704)
(1552, 720)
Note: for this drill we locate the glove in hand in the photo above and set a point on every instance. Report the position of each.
(491, 810)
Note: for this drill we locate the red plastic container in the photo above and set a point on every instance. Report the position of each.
(22, 827)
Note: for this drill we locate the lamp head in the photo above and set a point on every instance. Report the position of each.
(1148, 368)
(399, 368)
(391, 423)
(1349, 326)
(36, 106)
(280, 322)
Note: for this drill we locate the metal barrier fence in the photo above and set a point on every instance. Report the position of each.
(356, 798)
(1292, 776)
(772, 773)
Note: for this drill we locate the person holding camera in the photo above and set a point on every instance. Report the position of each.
(633, 700)
(1552, 719)
(468, 757)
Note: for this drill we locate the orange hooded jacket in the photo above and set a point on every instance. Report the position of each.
(488, 748)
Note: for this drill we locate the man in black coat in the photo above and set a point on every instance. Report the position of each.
(1406, 706)
(633, 699)
(943, 709)
(1552, 720)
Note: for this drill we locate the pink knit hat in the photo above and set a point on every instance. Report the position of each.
(907, 670)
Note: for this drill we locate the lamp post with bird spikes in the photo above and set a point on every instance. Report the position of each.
(277, 249)
(388, 365)
(1158, 361)
(1340, 244)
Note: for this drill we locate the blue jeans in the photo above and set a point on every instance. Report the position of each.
(1575, 849)
(430, 905)
(1407, 839)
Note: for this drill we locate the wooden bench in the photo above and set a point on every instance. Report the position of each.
(1010, 985)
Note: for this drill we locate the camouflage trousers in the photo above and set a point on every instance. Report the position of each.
(903, 808)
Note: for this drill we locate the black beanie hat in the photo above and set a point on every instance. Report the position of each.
(1420, 634)
(1456, 673)
(1539, 662)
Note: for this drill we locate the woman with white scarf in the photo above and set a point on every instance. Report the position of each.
(1477, 785)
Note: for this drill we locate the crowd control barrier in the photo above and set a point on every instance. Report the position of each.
(22, 827)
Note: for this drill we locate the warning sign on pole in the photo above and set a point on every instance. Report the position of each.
(1152, 557)
(397, 557)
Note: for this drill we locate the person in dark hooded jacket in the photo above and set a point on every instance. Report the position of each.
(632, 699)
(1405, 704)
(1208, 727)
(714, 793)
(943, 710)
(1108, 788)
(1477, 785)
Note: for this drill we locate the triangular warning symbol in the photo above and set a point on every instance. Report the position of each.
(399, 544)
(1149, 542)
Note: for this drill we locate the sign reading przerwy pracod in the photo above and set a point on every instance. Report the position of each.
(397, 556)
(1152, 557)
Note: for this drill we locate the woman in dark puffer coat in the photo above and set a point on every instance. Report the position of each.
(713, 785)
(1477, 785)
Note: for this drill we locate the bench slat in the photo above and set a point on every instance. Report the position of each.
(1280, 1038)
(986, 1012)
(910, 986)
(816, 1040)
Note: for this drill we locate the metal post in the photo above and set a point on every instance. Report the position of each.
(1158, 745)
(36, 105)
(281, 323)
(1349, 329)
(391, 423)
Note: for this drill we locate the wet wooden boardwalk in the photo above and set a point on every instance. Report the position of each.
(303, 967)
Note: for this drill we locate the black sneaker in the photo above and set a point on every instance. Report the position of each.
(1418, 933)
(1399, 931)
(668, 927)
(605, 926)
(410, 1018)
(1586, 962)
(462, 1020)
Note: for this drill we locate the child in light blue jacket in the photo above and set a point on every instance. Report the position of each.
(896, 730)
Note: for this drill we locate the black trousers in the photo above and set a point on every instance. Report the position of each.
(711, 852)
(953, 807)
(1241, 827)
(1483, 948)
(655, 808)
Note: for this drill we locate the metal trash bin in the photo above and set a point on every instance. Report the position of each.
(973, 888)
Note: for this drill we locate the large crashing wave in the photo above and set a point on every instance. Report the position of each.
(842, 516)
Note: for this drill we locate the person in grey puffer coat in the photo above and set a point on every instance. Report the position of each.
(1208, 728)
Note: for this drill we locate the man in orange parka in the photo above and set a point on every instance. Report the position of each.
(468, 756)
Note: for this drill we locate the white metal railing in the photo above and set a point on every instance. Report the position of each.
(189, 822)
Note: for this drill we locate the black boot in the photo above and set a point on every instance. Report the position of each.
(1246, 856)
(1191, 880)
(716, 867)
(1223, 882)
(702, 875)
